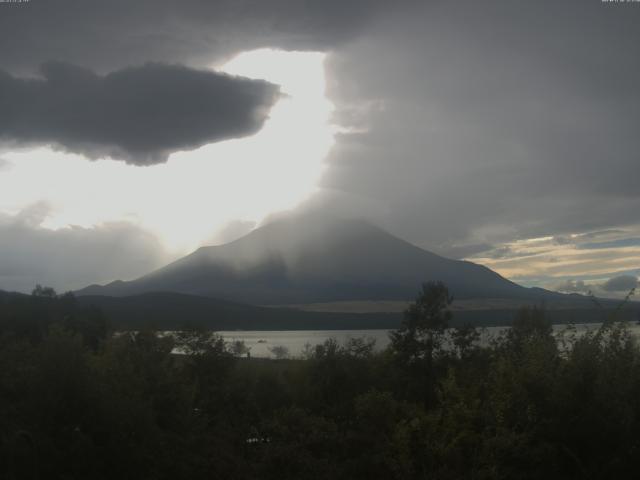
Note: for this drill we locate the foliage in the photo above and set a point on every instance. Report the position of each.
(80, 402)
(425, 321)
(280, 352)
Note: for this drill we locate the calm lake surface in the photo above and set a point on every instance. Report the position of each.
(260, 342)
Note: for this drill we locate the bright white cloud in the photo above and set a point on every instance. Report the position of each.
(196, 193)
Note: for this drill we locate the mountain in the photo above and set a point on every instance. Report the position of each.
(308, 259)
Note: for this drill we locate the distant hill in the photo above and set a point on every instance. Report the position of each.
(170, 311)
(174, 311)
(317, 259)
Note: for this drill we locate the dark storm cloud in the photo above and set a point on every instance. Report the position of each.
(620, 284)
(478, 122)
(472, 122)
(491, 121)
(109, 35)
(71, 257)
(140, 114)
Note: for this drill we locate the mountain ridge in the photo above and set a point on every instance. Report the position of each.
(317, 259)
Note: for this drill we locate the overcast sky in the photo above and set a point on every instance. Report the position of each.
(505, 132)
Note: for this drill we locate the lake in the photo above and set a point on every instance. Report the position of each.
(260, 342)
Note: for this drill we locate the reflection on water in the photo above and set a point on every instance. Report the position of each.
(260, 342)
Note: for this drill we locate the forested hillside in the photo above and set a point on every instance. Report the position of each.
(77, 402)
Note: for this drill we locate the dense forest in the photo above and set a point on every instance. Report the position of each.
(79, 401)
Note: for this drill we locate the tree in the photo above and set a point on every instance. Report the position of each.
(464, 339)
(239, 348)
(280, 352)
(425, 321)
(208, 364)
(530, 324)
(419, 340)
(44, 292)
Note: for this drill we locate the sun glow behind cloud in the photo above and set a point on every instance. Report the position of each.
(187, 200)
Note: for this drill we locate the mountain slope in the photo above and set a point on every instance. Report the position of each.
(315, 259)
